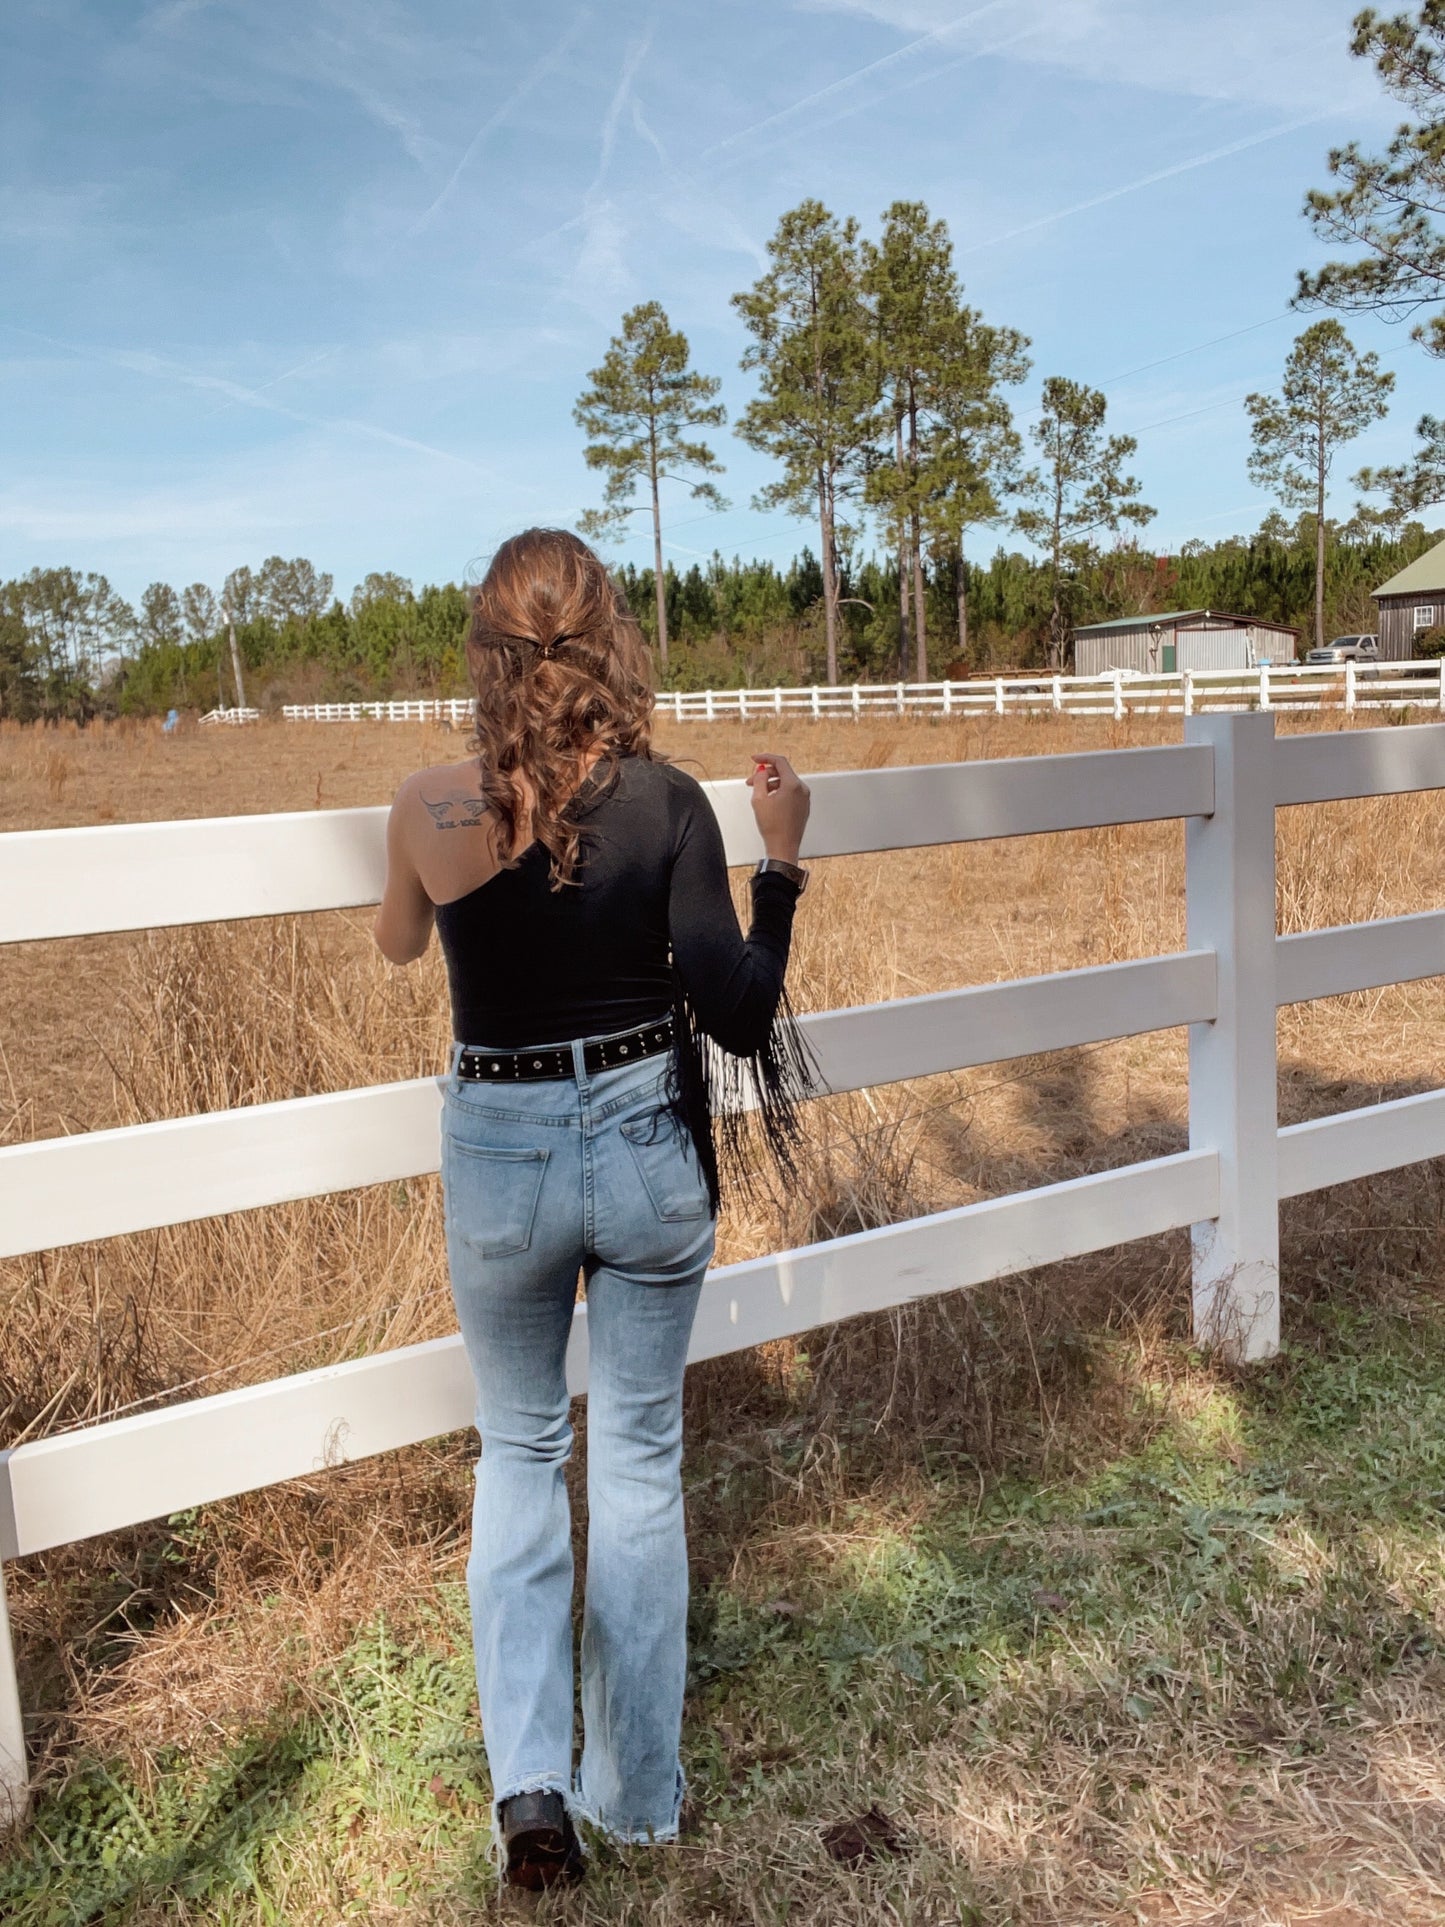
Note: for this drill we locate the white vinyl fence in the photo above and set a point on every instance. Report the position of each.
(1226, 780)
(1346, 687)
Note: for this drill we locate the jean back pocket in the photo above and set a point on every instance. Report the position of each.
(667, 1165)
(492, 1195)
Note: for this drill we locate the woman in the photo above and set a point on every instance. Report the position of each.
(577, 883)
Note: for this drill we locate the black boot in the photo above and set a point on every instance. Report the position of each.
(541, 1843)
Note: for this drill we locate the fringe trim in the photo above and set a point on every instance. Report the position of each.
(727, 1102)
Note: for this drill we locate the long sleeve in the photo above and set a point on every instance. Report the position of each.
(734, 983)
(742, 1066)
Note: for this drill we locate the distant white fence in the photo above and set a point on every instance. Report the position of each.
(1345, 687)
(1226, 780)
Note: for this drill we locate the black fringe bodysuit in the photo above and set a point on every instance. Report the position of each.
(647, 927)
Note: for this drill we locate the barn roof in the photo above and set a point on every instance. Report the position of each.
(1424, 575)
(1174, 618)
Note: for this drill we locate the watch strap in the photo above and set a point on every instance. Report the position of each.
(778, 866)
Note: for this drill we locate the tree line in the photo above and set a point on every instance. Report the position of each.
(883, 401)
(69, 646)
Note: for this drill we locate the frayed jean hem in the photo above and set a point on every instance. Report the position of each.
(630, 1836)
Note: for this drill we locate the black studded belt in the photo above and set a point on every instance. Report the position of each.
(555, 1060)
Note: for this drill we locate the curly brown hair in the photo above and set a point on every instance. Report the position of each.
(561, 669)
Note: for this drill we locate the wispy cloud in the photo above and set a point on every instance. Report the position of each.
(600, 275)
(416, 142)
(304, 494)
(1169, 173)
(870, 71)
(160, 368)
(169, 14)
(621, 95)
(37, 212)
(300, 368)
(686, 199)
(1230, 50)
(530, 81)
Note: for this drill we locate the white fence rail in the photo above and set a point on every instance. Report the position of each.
(1314, 687)
(1225, 780)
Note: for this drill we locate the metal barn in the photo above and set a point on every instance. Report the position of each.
(1181, 639)
(1410, 603)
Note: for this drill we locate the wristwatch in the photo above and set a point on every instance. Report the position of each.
(794, 872)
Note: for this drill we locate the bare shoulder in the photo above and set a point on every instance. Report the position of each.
(446, 795)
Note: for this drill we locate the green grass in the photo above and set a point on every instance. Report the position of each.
(1197, 1679)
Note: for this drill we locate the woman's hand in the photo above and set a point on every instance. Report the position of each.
(781, 801)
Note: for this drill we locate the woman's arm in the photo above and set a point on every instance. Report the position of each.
(733, 982)
(404, 922)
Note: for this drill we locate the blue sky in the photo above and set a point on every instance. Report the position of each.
(325, 277)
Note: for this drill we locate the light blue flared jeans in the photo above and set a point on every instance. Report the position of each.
(544, 1181)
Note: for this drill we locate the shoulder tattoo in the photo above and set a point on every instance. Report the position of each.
(457, 812)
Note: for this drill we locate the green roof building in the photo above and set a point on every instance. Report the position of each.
(1410, 603)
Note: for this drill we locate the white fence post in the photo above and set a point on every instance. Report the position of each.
(998, 696)
(857, 702)
(1350, 686)
(1118, 697)
(816, 705)
(1233, 1107)
(1058, 688)
(14, 1779)
(1264, 685)
(1189, 692)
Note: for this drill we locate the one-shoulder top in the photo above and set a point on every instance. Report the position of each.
(531, 965)
(647, 928)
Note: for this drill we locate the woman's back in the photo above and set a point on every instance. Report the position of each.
(531, 965)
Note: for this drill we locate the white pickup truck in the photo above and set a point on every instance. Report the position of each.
(1347, 649)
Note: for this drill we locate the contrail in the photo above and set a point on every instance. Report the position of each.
(847, 80)
(620, 93)
(529, 80)
(275, 381)
(696, 180)
(159, 369)
(1148, 180)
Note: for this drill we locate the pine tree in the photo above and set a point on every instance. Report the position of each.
(200, 613)
(953, 442)
(977, 449)
(643, 400)
(909, 278)
(816, 414)
(1330, 394)
(1080, 490)
(1416, 484)
(1386, 202)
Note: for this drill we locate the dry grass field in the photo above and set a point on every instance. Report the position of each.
(1111, 1632)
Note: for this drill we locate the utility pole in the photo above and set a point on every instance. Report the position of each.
(235, 658)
